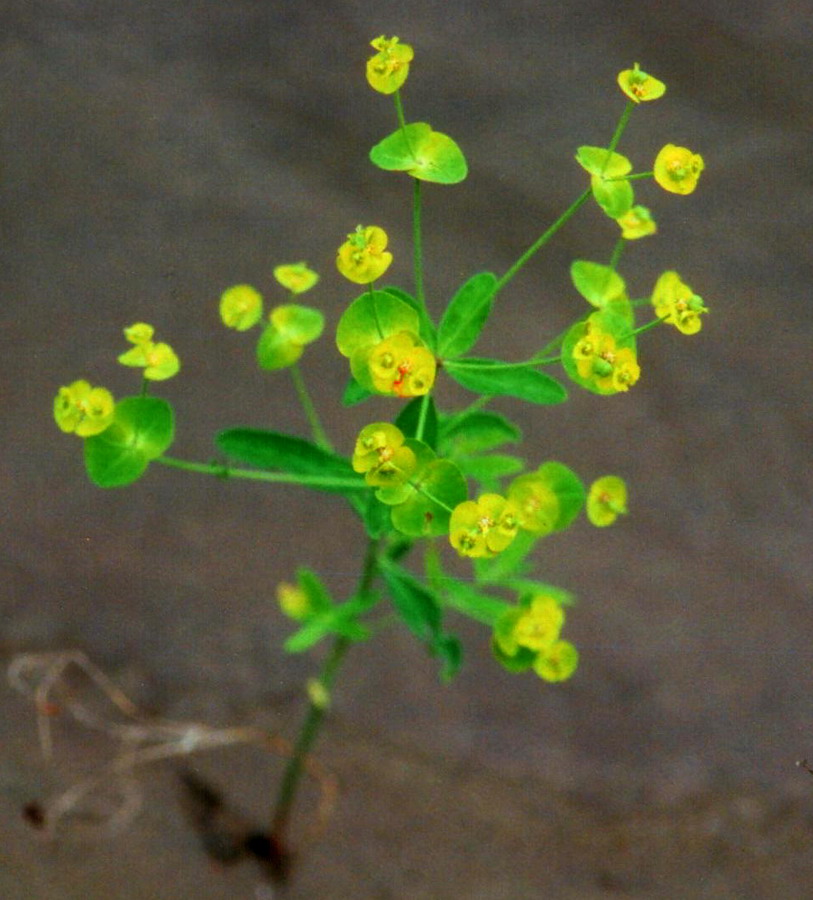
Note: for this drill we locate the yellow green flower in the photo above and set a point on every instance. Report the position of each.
(598, 359)
(381, 455)
(139, 334)
(241, 307)
(677, 169)
(558, 662)
(536, 502)
(638, 86)
(483, 527)
(363, 257)
(296, 277)
(637, 223)
(677, 304)
(606, 500)
(294, 601)
(401, 365)
(539, 625)
(388, 69)
(83, 409)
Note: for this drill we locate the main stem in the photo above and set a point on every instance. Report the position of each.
(292, 776)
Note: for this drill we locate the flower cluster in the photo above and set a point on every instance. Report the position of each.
(388, 69)
(677, 304)
(638, 86)
(158, 360)
(401, 365)
(606, 500)
(483, 527)
(364, 257)
(291, 327)
(382, 456)
(677, 169)
(528, 637)
(601, 364)
(82, 409)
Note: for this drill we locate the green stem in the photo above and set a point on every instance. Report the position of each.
(423, 416)
(649, 325)
(311, 725)
(220, 471)
(541, 241)
(619, 129)
(617, 251)
(417, 242)
(399, 112)
(312, 416)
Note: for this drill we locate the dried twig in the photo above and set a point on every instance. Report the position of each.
(141, 740)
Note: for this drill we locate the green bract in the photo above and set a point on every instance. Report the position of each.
(142, 430)
(424, 510)
(614, 197)
(371, 318)
(425, 154)
(598, 284)
(598, 161)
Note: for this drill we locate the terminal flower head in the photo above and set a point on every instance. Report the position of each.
(363, 257)
(483, 527)
(558, 662)
(677, 169)
(83, 409)
(677, 304)
(241, 307)
(381, 455)
(402, 365)
(606, 500)
(637, 223)
(539, 625)
(159, 361)
(638, 86)
(296, 277)
(599, 360)
(388, 69)
(294, 601)
(536, 502)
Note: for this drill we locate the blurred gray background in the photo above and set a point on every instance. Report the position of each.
(154, 153)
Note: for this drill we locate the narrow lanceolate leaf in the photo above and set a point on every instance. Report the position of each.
(277, 452)
(465, 315)
(490, 376)
(142, 429)
(421, 613)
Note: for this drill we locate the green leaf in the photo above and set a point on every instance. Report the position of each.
(339, 620)
(285, 453)
(466, 315)
(422, 153)
(319, 599)
(477, 431)
(376, 517)
(439, 487)
(371, 318)
(489, 469)
(354, 393)
(595, 161)
(410, 415)
(598, 284)
(490, 376)
(614, 197)
(508, 563)
(142, 429)
(427, 331)
(470, 601)
(420, 611)
(528, 587)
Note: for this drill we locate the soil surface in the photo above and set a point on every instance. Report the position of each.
(154, 153)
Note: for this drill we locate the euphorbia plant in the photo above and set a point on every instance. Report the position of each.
(429, 481)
